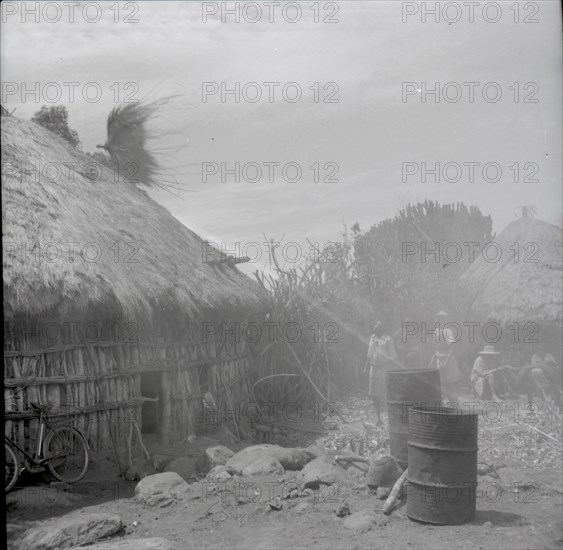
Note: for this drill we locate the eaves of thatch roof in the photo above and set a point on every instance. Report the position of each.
(49, 203)
(523, 287)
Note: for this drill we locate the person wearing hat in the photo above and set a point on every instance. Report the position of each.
(444, 358)
(487, 377)
(382, 356)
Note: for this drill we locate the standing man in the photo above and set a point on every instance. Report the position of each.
(444, 358)
(382, 356)
(488, 379)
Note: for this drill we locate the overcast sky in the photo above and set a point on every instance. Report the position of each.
(367, 134)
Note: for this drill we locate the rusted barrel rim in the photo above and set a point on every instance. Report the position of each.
(442, 410)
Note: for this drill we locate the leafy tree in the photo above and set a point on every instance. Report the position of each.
(55, 119)
(339, 294)
(411, 264)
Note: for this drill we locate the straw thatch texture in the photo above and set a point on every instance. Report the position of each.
(522, 290)
(129, 260)
(46, 205)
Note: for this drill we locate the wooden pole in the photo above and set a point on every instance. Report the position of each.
(393, 497)
(166, 408)
(296, 357)
(327, 368)
(105, 412)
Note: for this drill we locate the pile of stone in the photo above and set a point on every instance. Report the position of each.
(302, 470)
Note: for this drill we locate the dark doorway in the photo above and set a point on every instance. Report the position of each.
(150, 411)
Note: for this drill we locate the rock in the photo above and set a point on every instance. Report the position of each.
(78, 527)
(155, 543)
(291, 478)
(382, 492)
(217, 456)
(276, 503)
(131, 474)
(184, 467)
(219, 474)
(263, 466)
(289, 458)
(322, 472)
(314, 451)
(161, 489)
(343, 510)
(383, 472)
(361, 521)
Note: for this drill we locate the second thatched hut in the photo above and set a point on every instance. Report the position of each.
(522, 289)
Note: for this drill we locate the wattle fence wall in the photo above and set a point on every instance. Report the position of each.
(97, 386)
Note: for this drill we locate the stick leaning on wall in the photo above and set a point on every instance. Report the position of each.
(105, 412)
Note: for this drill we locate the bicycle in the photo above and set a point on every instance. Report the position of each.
(63, 451)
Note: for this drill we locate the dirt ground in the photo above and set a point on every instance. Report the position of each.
(521, 509)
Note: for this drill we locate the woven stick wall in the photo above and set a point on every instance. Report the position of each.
(84, 382)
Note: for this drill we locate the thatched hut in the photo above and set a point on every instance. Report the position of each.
(108, 299)
(522, 291)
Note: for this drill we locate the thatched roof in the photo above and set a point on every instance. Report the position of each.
(524, 290)
(162, 270)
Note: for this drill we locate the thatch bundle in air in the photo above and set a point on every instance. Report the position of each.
(128, 139)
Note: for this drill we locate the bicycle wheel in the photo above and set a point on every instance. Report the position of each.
(11, 465)
(66, 452)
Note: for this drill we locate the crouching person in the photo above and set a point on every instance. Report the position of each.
(541, 377)
(488, 379)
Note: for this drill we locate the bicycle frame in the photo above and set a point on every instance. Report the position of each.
(38, 459)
